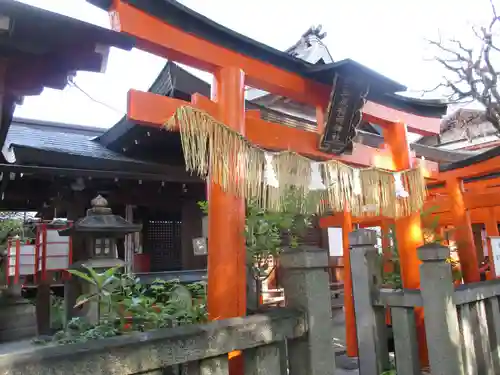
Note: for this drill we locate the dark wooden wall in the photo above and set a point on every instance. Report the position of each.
(191, 228)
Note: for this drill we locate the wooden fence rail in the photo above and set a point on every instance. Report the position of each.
(462, 325)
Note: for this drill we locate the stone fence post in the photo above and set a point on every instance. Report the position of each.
(440, 313)
(305, 280)
(366, 274)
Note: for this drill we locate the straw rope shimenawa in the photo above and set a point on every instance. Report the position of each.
(213, 149)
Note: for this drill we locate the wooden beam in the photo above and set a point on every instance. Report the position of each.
(483, 168)
(30, 76)
(155, 110)
(482, 185)
(469, 186)
(175, 173)
(274, 136)
(480, 198)
(381, 115)
(477, 216)
(151, 109)
(440, 207)
(160, 38)
(474, 200)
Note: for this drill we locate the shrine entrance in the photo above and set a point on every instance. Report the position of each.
(384, 182)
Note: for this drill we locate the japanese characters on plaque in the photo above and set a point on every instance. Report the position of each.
(343, 115)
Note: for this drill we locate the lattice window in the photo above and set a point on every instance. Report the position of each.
(164, 244)
(103, 246)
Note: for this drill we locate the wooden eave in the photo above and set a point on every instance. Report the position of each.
(42, 49)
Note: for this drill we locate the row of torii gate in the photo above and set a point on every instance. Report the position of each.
(462, 196)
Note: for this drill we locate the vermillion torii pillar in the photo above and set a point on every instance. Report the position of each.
(408, 229)
(463, 231)
(226, 213)
(226, 218)
(350, 316)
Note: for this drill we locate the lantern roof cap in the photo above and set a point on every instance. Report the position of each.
(101, 221)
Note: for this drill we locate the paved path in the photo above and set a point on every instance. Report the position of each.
(14, 346)
(340, 344)
(339, 330)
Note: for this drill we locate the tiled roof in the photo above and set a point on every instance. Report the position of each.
(68, 139)
(63, 146)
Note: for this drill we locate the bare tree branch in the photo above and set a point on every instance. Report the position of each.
(472, 71)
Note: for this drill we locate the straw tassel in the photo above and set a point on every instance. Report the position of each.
(213, 149)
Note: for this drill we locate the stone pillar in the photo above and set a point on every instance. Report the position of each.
(441, 319)
(93, 311)
(306, 282)
(366, 270)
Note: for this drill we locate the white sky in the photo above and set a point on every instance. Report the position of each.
(385, 35)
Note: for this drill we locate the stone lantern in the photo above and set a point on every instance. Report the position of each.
(99, 230)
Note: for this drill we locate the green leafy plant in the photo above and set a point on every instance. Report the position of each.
(80, 330)
(56, 311)
(268, 233)
(430, 225)
(203, 206)
(104, 285)
(13, 224)
(125, 305)
(390, 256)
(392, 367)
(390, 372)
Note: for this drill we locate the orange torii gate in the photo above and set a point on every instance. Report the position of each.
(462, 194)
(171, 30)
(473, 197)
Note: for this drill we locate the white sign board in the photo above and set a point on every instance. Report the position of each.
(335, 246)
(200, 246)
(495, 249)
